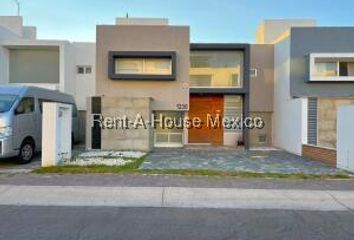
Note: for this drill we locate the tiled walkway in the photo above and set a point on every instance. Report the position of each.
(228, 159)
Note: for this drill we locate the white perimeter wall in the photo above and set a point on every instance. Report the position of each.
(290, 115)
(345, 138)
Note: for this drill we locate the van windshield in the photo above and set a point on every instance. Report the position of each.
(6, 102)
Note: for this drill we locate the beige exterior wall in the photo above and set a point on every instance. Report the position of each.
(262, 86)
(260, 33)
(270, 30)
(166, 94)
(327, 120)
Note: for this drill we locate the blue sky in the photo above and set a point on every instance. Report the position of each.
(210, 20)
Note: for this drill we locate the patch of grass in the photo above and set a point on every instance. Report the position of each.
(133, 168)
(127, 168)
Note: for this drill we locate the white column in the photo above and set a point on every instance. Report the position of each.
(56, 133)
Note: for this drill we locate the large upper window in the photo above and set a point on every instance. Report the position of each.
(222, 69)
(332, 67)
(142, 65)
(158, 66)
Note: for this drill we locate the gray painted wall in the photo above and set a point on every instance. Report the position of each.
(306, 40)
(262, 86)
(34, 66)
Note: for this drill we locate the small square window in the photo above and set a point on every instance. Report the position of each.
(80, 70)
(84, 69)
(253, 72)
(88, 70)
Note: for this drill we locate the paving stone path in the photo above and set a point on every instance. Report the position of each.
(228, 159)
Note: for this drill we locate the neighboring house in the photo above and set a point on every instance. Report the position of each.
(53, 64)
(314, 75)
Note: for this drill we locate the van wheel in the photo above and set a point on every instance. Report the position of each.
(26, 151)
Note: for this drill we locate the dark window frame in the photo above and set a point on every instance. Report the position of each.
(113, 55)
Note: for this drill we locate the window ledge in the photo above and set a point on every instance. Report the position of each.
(332, 79)
(216, 87)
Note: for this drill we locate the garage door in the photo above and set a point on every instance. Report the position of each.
(201, 106)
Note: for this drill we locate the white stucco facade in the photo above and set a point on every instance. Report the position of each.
(15, 36)
(289, 122)
(85, 84)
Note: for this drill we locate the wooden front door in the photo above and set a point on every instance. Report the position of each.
(201, 106)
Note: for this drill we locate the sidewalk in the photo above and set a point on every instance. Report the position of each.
(175, 192)
(173, 197)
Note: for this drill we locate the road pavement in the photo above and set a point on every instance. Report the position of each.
(87, 223)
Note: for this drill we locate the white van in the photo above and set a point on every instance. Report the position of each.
(21, 119)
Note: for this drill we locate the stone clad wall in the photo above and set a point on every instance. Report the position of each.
(127, 139)
(327, 120)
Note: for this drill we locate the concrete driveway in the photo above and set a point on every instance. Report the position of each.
(231, 159)
(10, 165)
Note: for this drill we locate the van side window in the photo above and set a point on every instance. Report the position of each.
(26, 106)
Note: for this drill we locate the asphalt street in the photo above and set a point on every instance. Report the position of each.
(28, 222)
